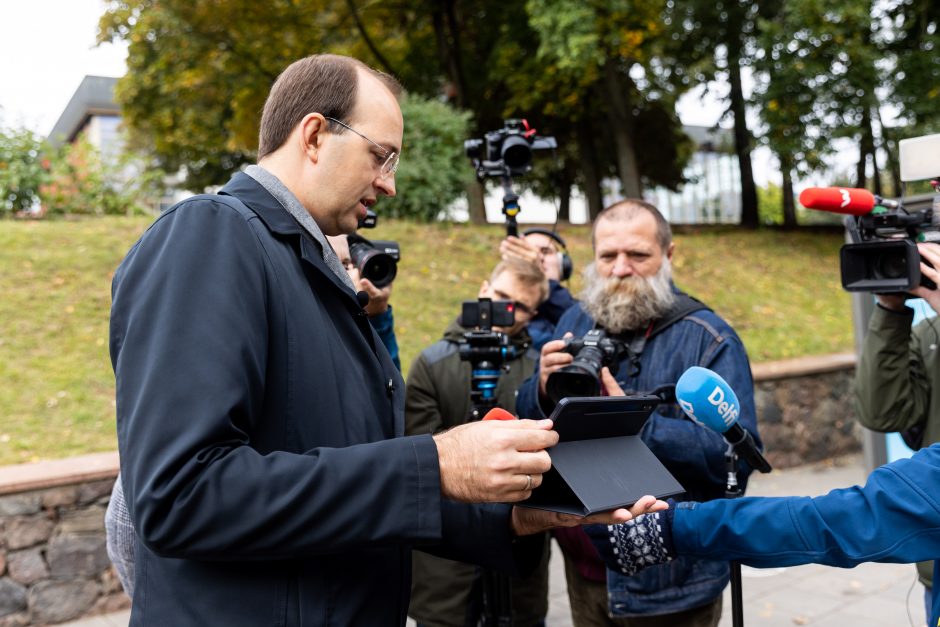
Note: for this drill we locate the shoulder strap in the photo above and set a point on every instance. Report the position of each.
(683, 306)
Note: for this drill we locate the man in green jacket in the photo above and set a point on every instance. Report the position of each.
(437, 397)
(899, 368)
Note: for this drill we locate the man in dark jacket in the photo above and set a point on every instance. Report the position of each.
(259, 416)
(445, 593)
(629, 293)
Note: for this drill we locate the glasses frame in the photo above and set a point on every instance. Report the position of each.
(390, 165)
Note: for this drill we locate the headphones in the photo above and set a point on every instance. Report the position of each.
(564, 260)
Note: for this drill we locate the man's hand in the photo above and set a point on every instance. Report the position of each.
(929, 252)
(553, 358)
(378, 298)
(494, 461)
(609, 383)
(896, 302)
(526, 521)
(518, 248)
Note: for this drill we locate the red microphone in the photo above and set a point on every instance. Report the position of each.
(498, 413)
(853, 201)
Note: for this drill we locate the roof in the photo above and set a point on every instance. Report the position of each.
(94, 96)
(710, 138)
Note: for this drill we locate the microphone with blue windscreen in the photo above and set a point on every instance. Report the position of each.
(708, 400)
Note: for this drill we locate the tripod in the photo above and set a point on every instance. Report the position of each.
(733, 491)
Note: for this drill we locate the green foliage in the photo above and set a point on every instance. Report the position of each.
(81, 181)
(433, 171)
(779, 290)
(22, 169)
(770, 204)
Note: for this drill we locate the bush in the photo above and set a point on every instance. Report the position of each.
(22, 156)
(434, 170)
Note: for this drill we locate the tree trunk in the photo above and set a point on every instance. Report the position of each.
(475, 205)
(889, 145)
(564, 196)
(445, 22)
(866, 149)
(789, 206)
(589, 169)
(742, 145)
(618, 90)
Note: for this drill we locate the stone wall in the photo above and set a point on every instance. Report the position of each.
(54, 566)
(805, 409)
(53, 563)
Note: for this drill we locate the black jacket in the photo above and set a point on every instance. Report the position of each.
(259, 423)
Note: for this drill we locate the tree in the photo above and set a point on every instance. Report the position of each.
(433, 169)
(23, 169)
(712, 39)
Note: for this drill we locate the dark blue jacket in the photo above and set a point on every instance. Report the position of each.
(693, 454)
(894, 517)
(542, 327)
(259, 424)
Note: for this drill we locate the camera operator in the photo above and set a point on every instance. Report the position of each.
(547, 250)
(437, 397)
(378, 307)
(629, 294)
(898, 367)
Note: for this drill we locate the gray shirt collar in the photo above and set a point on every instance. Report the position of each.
(290, 203)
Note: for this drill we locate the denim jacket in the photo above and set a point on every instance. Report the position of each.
(693, 454)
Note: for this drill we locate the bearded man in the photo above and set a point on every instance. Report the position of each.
(630, 295)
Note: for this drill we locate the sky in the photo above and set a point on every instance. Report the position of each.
(48, 46)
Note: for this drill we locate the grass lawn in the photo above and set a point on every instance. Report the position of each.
(780, 291)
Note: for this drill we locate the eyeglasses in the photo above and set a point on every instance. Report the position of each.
(390, 165)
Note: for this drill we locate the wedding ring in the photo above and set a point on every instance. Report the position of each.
(528, 482)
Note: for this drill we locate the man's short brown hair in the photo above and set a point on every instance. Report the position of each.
(528, 274)
(627, 209)
(321, 83)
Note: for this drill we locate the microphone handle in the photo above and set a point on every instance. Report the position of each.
(744, 446)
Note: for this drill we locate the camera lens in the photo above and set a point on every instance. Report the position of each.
(378, 268)
(572, 380)
(373, 264)
(890, 265)
(516, 153)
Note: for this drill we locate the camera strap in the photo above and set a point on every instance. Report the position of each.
(683, 306)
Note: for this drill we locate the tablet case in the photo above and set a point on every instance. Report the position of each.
(600, 463)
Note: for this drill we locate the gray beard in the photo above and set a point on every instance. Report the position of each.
(628, 303)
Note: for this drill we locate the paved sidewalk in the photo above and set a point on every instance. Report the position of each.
(867, 596)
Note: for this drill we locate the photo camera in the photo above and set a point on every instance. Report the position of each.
(882, 256)
(377, 260)
(507, 151)
(582, 377)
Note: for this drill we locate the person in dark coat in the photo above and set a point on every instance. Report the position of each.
(259, 416)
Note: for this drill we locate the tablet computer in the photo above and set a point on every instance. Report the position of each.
(592, 417)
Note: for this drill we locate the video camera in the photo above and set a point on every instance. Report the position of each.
(485, 349)
(377, 260)
(883, 256)
(582, 377)
(505, 153)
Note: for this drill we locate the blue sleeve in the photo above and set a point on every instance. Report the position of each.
(894, 517)
(384, 325)
(558, 302)
(698, 462)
